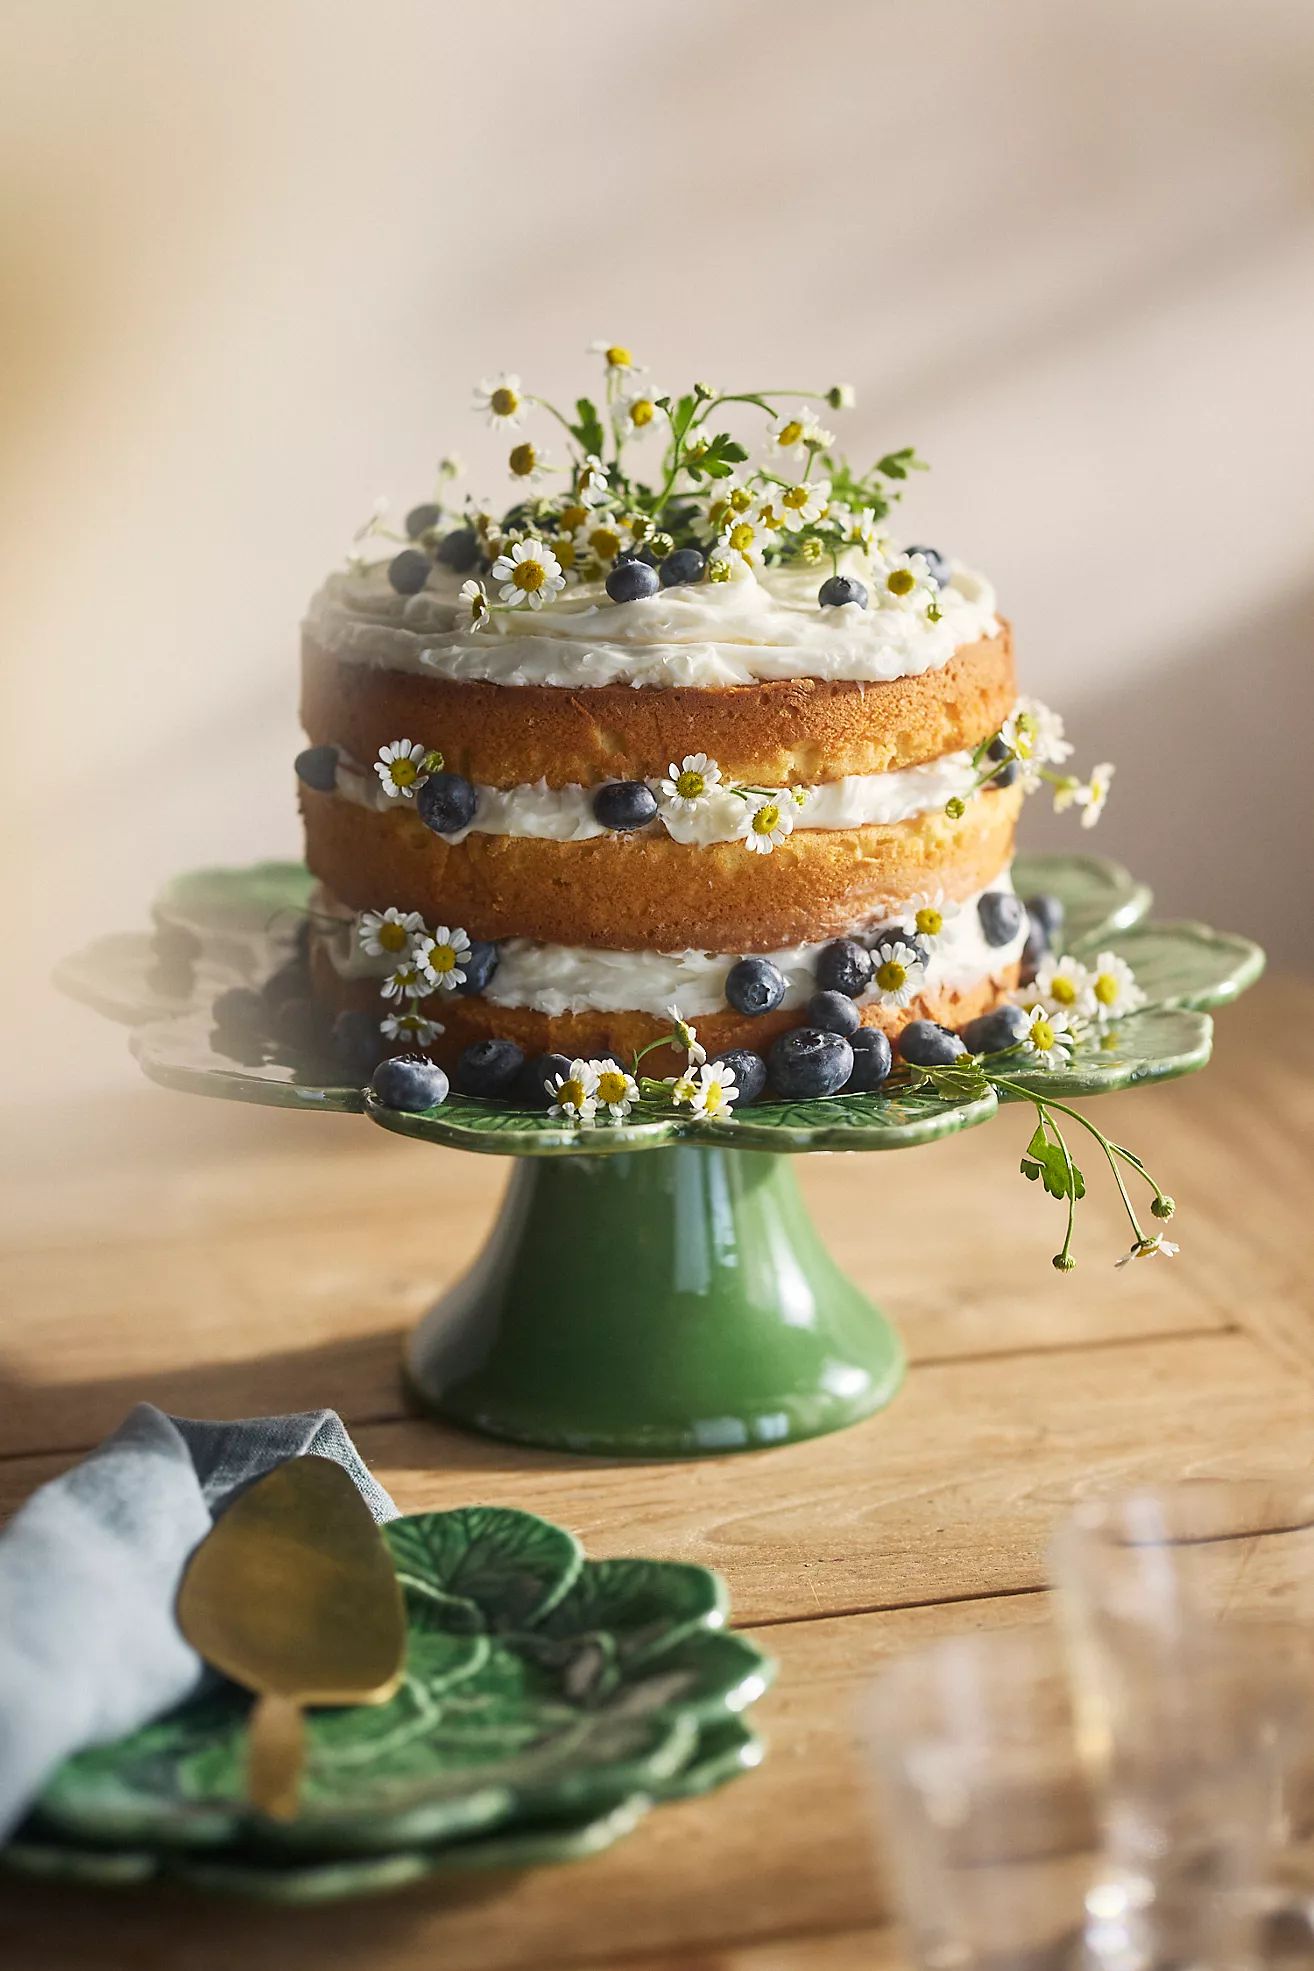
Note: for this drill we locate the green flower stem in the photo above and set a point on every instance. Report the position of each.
(552, 410)
(1049, 1103)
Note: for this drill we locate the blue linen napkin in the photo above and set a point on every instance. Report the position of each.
(89, 1571)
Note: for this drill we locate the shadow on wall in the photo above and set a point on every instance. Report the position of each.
(1211, 803)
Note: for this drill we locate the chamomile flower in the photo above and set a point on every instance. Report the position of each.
(690, 782)
(1113, 988)
(501, 400)
(473, 611)
(387, 933)
(1034, 734)
(799, 432)
(744, 539)
(803, 504)
(1063, 985)
(862, 530)
(575, 1093)
(687, 1036)
(1148, 1249)
(897, 972)
(616, 1091)
(414, 1027)
(600, 540)
(591, 486)
(683, 1089)
(407, 982)
(768, 821)
(715, 1092)
(530, 573)
(1049, 1037)
(931, 912)
(442, 957)
(400, 767)
(904, 581)
(1091, 797)
(639, 411)
(619, 360)
(526, 462)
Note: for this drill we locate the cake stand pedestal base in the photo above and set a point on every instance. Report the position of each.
(674, 1302)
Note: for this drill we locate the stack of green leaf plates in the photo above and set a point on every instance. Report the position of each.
(549, 1703)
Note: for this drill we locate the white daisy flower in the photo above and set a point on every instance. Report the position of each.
(715, 1092)
(930, 913)
(1113, 988)
(442, 957)
(897, 973)
(526, 463)
(473, 611)
(619, 360)
(414, 1027)
(1148, 1248)
(407, 982)
(400, 767)
(768, 820)
(529, 573)
(904, 581)
(601, 539)
(692, 781)
(591, 486)
(1049, 1037)
(639, 410)
(387, 933)
(684, 1088)
(687, 1036)
(575, 1093)
(616, 1091)
(1091, 797)
(501, 400)
(802, 504)
(1034, 734)
(1064, 986)
(744, 539)
(797, 433)
(862, 530)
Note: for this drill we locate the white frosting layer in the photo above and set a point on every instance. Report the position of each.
(558, 978)
(754, 627)
(565, 814)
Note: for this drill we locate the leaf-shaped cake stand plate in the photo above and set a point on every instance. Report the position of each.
(548, 1702)
(710, 1317)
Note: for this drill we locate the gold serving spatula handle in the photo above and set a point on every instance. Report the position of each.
(275, 1755)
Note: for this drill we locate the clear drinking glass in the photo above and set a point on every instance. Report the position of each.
(1189, 1613)
(985, 1811)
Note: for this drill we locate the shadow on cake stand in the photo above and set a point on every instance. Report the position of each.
(654, 1286)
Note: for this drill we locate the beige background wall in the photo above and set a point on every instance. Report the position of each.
(256, 253)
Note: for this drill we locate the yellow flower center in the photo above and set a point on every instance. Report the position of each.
(767, 818)
(529, 576)
(891, 976)
(929, 921)
(1106, 989)
(442, 958)
(564, 549)
(605, 543)
(718, 571)
(690, 785)
(642, 411)
(504, 402)
(404, 773)
(571, 1094)
(789, 434)
(573, 517)
(611, 1088)
(713, 1098)
(619, 357)
(1063, 990)
(743, 535)
(901, 581)
(392, 936)
(523, 460)
(796, 497)
(1042, 1036)
(740, 500)
(1024, 735)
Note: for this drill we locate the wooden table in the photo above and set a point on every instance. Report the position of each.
(225, 1261)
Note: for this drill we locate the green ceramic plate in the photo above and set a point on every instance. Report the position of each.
(1098, 896)
(548, 1699)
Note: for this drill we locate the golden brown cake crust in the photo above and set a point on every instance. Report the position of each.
(779, 733)
(646, 892)
(621, 1034)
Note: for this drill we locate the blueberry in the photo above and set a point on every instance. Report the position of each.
(1048, 912)
(834, 1012)
(530, 1089)
(807, 1062)
(357, 1042)
(488, 1067)
(992, 1032)
(479, 965)
(624, 805)
(422, 519)
(754, 986)
(749, 1071)
(936, 562)
(317, 767)
(873, 1057)
(290, 981)
(459, 551)
(999, 749)
(833, 594)
(1001, 915)
(240, 1011)
(686, 565)
(926, 1045)
(1034, 952)
(630, 581)
(843, 966)
(446, 803)
(409, 571)
(891, 934)
(409, 1081)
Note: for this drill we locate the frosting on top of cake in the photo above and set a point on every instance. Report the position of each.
(759, 625)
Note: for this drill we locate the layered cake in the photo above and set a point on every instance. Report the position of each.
(705, 738)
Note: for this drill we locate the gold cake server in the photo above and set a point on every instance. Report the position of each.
(293, 1595)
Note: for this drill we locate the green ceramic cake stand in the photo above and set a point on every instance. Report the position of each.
(650, 1287)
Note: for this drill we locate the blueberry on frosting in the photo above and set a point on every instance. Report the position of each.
(409, 571)
(1001, 915)
(833, 594)
(754, 986)
(843, 966)
(683, 567)
(317, 767)
(422, 520)
(630, 581)
(446, 803)
(624, 805)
